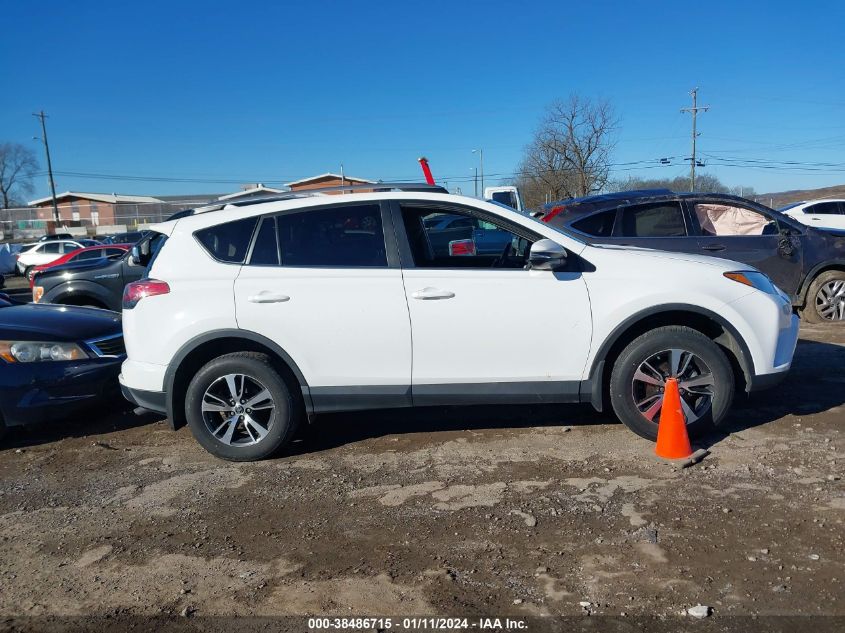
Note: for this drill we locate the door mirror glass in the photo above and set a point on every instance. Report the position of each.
(135, 256)
(547, 255)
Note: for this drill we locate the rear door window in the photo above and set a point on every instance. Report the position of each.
(344, 236)
(597, 225)
(228, 242)
(265, 251)
(663, 219)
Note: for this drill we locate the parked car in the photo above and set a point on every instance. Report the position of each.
(8, 261)
(55, 360)
(44, 253)
(125, 238)
(821, 214)
(99, 252)
(806, 263)
(97, 283)
(56, 236)
(259, 315)
(448, 234)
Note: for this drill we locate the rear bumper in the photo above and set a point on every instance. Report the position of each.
(40, 392)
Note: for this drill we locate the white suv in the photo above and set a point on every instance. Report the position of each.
(262, 314)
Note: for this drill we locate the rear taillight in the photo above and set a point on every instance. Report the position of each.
(37, 293)
(141, 289)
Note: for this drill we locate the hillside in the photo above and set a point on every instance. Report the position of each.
(779, 199)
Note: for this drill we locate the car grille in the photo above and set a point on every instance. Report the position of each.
(110, 346)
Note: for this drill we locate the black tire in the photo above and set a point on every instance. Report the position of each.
(27, 271)
(653, 343)
(810, 313)
(281, 427)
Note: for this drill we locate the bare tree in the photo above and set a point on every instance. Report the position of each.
(17, 169)
(569, 155)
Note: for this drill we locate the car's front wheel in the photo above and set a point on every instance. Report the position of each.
(704, 374)
(826, 298)
(239, 408)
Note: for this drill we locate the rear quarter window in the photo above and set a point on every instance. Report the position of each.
(228, 242)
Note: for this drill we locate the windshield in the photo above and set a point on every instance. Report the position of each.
(791, 206)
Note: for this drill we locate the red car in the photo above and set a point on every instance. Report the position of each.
(108, 251)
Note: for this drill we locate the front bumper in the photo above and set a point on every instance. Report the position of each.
(149, 400)
(39, 392)
(784, 351)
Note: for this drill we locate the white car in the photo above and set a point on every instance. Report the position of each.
(44, 253)
(260, 315)
(822, 214)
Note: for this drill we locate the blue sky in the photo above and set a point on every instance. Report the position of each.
(261, 91)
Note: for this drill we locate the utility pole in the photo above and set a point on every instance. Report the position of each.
(475, 180)
(694, 110)
(480, 153)
(42, 116)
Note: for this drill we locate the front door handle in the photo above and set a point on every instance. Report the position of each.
(713, 247)
(432, 294)
(268, 297)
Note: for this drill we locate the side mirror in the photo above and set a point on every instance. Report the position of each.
(135, 256)
(547, 255)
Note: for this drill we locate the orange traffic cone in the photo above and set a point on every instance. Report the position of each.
(672, 438)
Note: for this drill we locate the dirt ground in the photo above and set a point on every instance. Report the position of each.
(490, 511)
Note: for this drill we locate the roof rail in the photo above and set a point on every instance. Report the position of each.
(421, 187)
(370, 187)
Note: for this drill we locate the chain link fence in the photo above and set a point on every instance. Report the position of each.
(20, 224)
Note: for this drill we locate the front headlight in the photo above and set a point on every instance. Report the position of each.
(754, 279)
(35, 351)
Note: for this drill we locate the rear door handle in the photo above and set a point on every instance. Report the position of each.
(268, 297)
(432, 294)
(713, 247)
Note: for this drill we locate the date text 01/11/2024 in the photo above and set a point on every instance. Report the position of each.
(414, 624)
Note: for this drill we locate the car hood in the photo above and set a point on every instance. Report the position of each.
(724, 264)
(76, 267)
(57, 323)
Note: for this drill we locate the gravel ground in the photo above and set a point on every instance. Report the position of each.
(487, 511)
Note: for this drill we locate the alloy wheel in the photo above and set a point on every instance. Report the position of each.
(696, 384)
(830, 300)
(238, 410)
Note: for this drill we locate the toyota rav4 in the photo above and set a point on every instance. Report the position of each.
(258, 315)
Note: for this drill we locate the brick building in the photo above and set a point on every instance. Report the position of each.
(90, 208)
(326, 180)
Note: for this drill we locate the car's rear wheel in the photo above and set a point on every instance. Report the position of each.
(704, 375)
(826, 298)
(27, 272)
(240, 409)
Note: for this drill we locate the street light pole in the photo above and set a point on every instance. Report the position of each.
(42, 116)
(481, 162)
(475, 180)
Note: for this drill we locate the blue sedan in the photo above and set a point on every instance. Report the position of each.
(55, 360)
